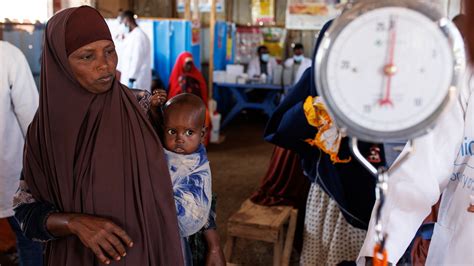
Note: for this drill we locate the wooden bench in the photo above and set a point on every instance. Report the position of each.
(257, 222)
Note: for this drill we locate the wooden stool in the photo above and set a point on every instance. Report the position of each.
(263, 223)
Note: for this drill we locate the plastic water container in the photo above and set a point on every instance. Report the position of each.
(216, 124)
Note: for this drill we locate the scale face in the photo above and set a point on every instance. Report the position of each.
(387, 69)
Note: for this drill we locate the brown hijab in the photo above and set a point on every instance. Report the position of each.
(98, 154)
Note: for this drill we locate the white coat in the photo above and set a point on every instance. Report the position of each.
(306, 63)
(442, 162)
(254, 67)
(18, 104)
(134, 56)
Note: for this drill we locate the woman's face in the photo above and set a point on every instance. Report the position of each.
(188, 66)
(94, 65)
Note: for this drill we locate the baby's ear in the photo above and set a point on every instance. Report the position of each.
(203, 133)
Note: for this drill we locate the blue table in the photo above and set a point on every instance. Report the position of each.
(239, 92)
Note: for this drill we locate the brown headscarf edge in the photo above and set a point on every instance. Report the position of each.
(79, 33)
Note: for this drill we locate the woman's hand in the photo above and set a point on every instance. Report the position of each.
(158, 98)
(98, 234)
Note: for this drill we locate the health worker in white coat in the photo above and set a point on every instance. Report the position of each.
(442, 163)
(298, 63)
(264, 64)
(134, 55)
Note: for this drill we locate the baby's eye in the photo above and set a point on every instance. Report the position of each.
(171, 131)
(189, 132)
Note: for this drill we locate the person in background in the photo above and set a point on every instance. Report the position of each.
(341, 194)
(134, 55)
(263, 65)
(186, 78)
(18, 104)
(95, 184)
(298, 63)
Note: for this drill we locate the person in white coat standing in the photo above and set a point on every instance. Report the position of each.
(298, 63)
(18, 104)
(134, 55)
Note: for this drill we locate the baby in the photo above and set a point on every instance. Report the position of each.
(182, 134)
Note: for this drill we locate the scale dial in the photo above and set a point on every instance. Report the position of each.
(386, 72)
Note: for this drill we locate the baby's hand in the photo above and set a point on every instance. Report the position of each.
(158, 98)
(215, 258)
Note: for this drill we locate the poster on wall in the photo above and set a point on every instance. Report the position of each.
(247, 41)
(204, 5)
(274, 39)
(195, 32)
(263, 12)
(311, 14)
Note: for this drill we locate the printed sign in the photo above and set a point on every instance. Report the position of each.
(204, 5)
(311, 14)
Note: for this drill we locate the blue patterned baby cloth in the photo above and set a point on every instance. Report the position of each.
(191, 179)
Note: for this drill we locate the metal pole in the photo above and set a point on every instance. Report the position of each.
(187, 9)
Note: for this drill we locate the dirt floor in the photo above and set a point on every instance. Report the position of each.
(237, 166)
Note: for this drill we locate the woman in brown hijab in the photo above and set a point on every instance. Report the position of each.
(92, 159)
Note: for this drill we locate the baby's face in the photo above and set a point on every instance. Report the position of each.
(182, 133)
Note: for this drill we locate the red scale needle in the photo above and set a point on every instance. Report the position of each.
(390, 69)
